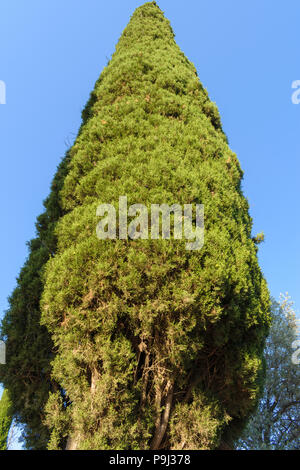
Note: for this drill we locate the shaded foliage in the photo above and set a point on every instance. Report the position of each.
(26, 374)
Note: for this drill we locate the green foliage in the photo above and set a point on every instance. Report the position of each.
(27, 371)
(197, 425)
(259, 238)
(143, 327)
(275, 424)
(5, 419)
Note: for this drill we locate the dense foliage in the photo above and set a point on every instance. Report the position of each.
(142, 343)
(275, 424)
(27, 372)
(5, 419)
(157, 346)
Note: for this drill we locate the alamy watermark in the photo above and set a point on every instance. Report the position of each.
(2, 92)
(185, 226)
(296, 93)
(2, 353)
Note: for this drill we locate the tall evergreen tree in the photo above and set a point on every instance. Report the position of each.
(157, 346)
(5, 419)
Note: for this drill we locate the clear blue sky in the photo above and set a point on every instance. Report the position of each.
(247, 56)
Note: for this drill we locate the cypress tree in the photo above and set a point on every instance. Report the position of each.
(157, 346)
(152, 345)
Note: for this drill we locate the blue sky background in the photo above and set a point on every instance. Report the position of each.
(247, 56)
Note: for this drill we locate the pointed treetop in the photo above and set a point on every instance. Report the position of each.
(148, 23)
(149, 9)
(147, 62)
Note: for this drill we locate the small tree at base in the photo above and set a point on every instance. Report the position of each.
(5, 419)
(275, 424)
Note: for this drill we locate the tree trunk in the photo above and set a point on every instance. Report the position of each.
(72, 443)
(163, 420)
